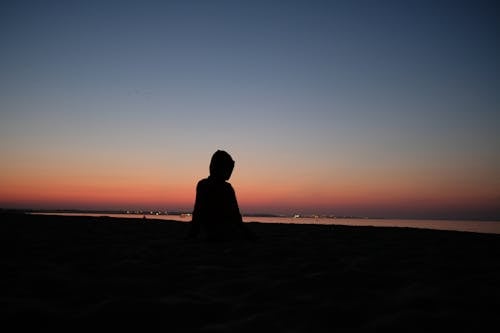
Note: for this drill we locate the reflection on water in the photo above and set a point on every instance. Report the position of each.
(491, 227)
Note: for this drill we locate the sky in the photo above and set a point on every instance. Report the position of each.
(365, 108)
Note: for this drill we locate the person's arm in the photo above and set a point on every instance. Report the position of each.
(247, 233)
(194, 228)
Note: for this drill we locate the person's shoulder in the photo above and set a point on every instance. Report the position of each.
(202, 183)
(227, 186)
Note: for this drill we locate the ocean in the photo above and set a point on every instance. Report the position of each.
(489, 227)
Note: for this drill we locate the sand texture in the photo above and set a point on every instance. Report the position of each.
(78, 271)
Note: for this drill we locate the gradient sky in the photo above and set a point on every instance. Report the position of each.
(378, 108)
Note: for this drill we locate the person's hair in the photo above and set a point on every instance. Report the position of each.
(221, 165)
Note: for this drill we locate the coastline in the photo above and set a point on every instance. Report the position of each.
(296, 277)
(478, 226)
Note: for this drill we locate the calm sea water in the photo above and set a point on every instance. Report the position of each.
(490, 227)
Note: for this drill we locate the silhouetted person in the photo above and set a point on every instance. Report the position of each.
(216, 213)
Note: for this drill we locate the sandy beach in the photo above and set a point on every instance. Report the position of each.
(69, 271)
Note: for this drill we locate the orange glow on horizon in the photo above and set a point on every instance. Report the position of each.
(134, 187)
(255, 198)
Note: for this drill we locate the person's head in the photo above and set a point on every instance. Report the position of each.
(221, 165)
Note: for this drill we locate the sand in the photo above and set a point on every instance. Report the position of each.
(74, 272)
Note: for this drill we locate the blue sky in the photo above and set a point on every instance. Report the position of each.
(350, 85)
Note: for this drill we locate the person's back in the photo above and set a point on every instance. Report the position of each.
(216, 212)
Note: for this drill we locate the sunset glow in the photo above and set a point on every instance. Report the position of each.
(327, 108)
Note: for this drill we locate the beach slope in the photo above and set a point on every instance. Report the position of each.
(61, 270)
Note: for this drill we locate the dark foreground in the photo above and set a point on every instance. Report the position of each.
(78, 271)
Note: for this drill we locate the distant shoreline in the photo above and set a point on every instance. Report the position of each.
(475, 226)
(175, 212)
(265, 215)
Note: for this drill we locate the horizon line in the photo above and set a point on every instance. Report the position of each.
(258, 214)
